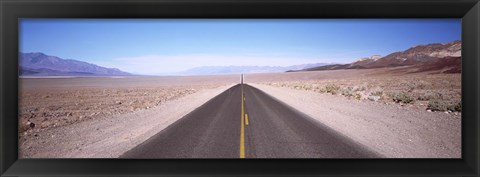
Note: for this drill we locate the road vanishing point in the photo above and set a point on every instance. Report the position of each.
(245, 122)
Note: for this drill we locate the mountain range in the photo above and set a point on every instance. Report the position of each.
(445, 57)
(39, 64)
(215, 70)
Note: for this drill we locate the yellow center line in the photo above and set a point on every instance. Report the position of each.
(242, 130)
(246, 119)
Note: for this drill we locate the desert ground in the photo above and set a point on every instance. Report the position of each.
(425, 91)
(104, 116)
(397, 114)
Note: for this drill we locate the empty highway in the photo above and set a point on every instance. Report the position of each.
(244, 122)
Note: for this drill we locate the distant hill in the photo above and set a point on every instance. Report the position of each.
(437, 56)
(215, 70)
(39, 64)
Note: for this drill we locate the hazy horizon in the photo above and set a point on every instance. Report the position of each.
(153, 47)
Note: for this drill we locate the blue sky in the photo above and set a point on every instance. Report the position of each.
(153, 46)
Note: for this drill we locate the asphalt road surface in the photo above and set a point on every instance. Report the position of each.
(257, 127)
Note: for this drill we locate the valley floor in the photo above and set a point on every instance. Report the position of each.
(104, 117)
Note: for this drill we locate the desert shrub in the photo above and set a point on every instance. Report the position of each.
(357, 96)
(409, 85)
(306, 87)
(346, 92)
(358, 88)
(322, 90)
(430, 96)
(376, 93)
(349, 92)
(455, 107)
(403, 97)
(423, 97)
(437, 105)
(332, 88)
(414, 85)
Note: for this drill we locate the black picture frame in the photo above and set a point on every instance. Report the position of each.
(11, 11)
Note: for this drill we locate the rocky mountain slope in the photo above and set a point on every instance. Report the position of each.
(39, 64)
(445, 57)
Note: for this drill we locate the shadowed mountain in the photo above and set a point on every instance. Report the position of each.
(445, 65)
(39, 64)
(437, 56)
